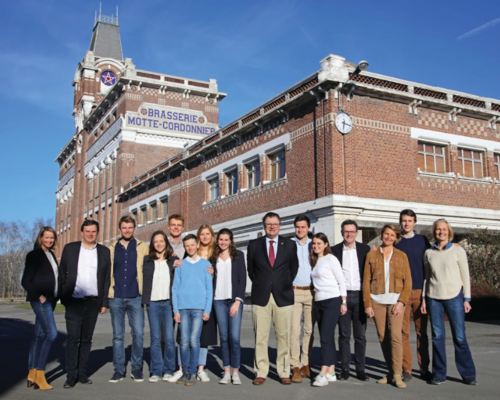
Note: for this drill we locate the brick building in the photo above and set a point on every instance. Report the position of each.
(433, 150)
(116, 139)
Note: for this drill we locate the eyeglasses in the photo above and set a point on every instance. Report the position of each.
(350, 232)
(272, 225)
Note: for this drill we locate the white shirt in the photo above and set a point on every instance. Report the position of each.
(194, 259)
(161, 281)
(350, 267)
(86, 278)
(54, 268)
(224, 289)
(387, 297)
(328, 278)
(303, 277)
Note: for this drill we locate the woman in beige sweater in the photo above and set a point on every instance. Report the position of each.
(447, 288)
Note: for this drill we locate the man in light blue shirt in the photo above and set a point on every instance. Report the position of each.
(299, 358)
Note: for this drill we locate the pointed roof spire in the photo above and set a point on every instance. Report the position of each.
(106, 41)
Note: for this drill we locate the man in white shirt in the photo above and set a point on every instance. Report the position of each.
(352, 256)
(303, 306)
(85, 279)
(176, 228)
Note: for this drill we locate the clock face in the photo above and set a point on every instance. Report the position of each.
(343, 122)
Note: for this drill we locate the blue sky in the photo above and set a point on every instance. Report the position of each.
(255, 49)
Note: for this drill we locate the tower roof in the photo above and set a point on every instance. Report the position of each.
(106, 40)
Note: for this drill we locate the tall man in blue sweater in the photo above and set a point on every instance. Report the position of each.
(414, 245)
(192, 302)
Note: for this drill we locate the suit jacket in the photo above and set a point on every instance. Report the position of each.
(238, 277)
(148, 274)
(277, 280)
(68, 270)
(38, 277)
(361, 251)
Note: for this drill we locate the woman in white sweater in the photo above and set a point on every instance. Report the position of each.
(329, 302)
(447, 288)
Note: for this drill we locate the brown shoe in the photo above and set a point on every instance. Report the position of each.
(296, 378)
(259, 381)
(286, 381)
(304, 371)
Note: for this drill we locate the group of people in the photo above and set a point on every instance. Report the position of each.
(198, 282)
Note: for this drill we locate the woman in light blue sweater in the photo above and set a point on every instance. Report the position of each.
(192, 301)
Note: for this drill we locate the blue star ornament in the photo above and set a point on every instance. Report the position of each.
(108, 78)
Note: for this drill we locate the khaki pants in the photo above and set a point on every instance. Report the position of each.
(389, 334)
(303, 307)
(282, 321)
(420, 321)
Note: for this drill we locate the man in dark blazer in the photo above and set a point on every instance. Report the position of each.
(352, 256)
(272, 264)
(85, 276)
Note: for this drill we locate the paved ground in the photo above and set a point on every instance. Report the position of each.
(16, 328)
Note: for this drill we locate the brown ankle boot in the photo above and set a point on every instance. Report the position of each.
(40, 381)
(31, 377)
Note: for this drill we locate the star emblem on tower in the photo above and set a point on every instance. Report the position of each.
(108, 78)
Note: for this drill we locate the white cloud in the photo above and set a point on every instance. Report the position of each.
(479, 29)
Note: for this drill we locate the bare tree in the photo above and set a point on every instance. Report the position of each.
(16, 240)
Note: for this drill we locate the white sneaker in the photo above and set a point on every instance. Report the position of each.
(320, 380)
(202, 376)
(166, 377)
(225, 379)
(236, 379)
(176, 376)
(154, 378)
(331, 378)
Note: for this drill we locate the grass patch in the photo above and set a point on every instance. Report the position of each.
(59, 307)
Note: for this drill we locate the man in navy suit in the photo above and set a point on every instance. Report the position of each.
(85, 277)
(352, 256)
(272, 264)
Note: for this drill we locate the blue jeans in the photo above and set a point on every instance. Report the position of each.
(190, 326)
(202, 359)
(158, 311)
(229, 332)
(45, 334)
(463, 359)
(133, 308)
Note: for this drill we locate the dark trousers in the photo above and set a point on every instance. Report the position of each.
(327, 315)
(81, 317)
(356, 316)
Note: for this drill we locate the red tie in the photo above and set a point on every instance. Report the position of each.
(272, 257)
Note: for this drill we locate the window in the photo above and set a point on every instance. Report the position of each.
(213, 189)
(431, 158)
(232, 182)
(253, 174)
(277, 165)
(144, 216)
(164, 207)
(154, 212)
(496, 164)
(471, 163)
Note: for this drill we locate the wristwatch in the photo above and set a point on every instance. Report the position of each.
(344, 302)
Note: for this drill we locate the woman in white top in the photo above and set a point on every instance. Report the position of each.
(329, 302)
(386, 289)
(229, 294)
(158, 275)
(41, 281)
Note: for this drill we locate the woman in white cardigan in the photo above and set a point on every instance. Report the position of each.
(329, 302)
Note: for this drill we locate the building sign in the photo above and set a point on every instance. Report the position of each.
(171, 119)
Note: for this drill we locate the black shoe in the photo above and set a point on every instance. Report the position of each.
(362, 376)
(407, 376)
(471, 382)
(435, 381)
(70, 383)
(344, 375)
(83, 379)
(426, 376)
(182, 380)
(117, 377)
(137, 375)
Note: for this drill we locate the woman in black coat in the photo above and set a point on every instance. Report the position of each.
(158, 277)
(230, 278)
(41, 281)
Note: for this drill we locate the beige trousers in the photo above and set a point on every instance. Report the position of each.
(389, 334)
(303, 307)
(282, 320)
